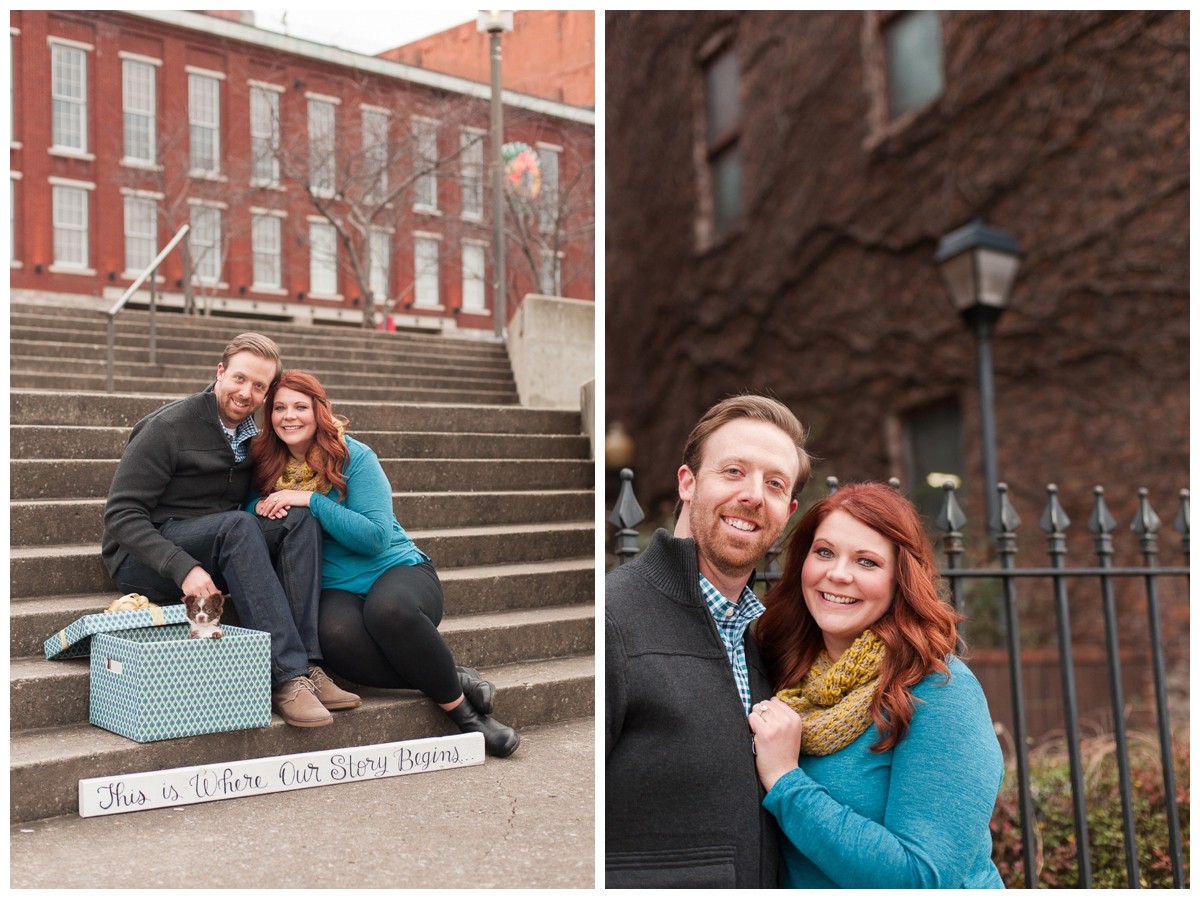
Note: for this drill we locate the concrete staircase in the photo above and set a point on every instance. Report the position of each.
(499, 496)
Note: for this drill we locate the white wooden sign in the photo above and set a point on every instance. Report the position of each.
(253, 777)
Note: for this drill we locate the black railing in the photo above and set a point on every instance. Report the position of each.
(627, 515)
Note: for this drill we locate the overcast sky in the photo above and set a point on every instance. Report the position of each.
(363, 31)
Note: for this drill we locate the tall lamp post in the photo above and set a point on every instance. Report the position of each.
(495, 22)
(978, 265)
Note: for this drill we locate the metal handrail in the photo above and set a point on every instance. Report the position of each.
(150, 270)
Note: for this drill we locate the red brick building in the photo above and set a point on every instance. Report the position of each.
(316, 182)
(549, 53)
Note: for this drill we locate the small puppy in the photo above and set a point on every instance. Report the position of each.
(204, 615)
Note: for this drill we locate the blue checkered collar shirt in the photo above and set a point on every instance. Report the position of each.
(732, 619)
(240, 438)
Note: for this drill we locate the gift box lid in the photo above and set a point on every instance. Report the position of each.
(75, 639)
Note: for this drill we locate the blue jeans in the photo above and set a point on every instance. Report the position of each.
(271, 570)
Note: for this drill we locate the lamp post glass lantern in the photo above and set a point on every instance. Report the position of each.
(495, 22)
(978, 265)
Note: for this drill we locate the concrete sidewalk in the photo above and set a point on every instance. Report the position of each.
(523, 822)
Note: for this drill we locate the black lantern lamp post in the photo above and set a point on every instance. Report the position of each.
(978, 265)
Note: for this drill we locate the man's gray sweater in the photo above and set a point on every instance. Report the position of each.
(177, 464)
(683, 804)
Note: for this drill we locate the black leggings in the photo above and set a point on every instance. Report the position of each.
(390, 637)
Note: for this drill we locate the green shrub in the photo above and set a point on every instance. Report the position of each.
(1049, 775)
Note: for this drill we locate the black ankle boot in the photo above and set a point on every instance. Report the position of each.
(499, 739)
(482, 693)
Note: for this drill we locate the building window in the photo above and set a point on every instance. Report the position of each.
(722, 108)
(914, 59)
(425, 161)
(471, 142)
(548, 200)
(322, 259)
(204, 119)
(320, 147)
(138, 98)
(381, 251)
(141, 233)
(266, 244)
(375, 154)
(425, 252)
(474, 291)
(70, 227)
(264, 136)
(933, 455)
(68, 91)
(205, 243)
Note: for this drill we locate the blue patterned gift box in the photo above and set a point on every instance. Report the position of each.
(150, 681)
(153, 683)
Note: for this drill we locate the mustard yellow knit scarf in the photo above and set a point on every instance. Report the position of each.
(299, 475)
(834, 698)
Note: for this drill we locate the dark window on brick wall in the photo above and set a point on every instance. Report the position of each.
(722, 109)
(933, 449)
(913, 44)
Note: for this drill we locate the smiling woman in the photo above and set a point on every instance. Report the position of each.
(877, 751)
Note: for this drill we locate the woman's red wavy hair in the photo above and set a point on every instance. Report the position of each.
(326, 456)
(919, 629)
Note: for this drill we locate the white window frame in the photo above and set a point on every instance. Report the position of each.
(322, 142)
(204, 242)
(322, 259)
(474, 284)
(68, 97)
(264, 134)
(473, 170)
(375, 123)
(139, 105)
(71, 225)
(266, 247)
(425, 191)
(380, 246)
(427, 271)
(204, 123)
(140, 232)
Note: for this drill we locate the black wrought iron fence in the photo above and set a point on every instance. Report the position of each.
(627, 515)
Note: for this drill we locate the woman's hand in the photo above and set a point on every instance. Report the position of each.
(777, 730)
(277, 504)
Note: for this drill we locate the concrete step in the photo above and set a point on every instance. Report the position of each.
(334, 375)
(347, 345)
(55, 693)
(47, 764)
(471, 590)
(89, 442)
(66, 521)
(19, 380)
(64, 478)
(137, 322)
(42, 570)
(74, 569)
(219, 325)
(99, 409)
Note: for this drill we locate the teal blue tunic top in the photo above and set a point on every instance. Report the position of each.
(363, 539)
(915, 816)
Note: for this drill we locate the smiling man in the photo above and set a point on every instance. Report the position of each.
(682, 671)
(173, 526)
